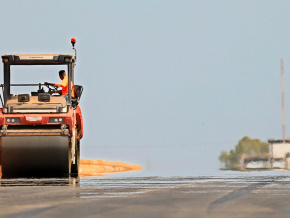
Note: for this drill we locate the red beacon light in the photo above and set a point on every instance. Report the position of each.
(73, 41)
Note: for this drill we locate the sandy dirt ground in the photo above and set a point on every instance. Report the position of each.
(99, 167)
(102, 168)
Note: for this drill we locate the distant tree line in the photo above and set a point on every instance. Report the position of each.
(246, 147)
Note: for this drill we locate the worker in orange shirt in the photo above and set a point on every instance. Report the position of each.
(63, 84)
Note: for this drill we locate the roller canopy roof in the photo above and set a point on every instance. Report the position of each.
(38, 59)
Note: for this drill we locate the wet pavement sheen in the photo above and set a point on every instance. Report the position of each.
(242, 196)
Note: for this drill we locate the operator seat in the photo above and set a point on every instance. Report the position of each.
(78, 90)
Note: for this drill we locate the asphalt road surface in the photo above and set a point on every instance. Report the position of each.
(247, 196)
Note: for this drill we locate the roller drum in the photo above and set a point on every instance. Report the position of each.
(36, 156)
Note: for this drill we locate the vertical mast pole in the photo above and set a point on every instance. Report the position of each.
(283, 103)
(6, 82)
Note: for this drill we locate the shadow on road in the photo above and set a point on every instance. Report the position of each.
(240, 192)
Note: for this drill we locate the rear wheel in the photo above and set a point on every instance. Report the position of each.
(68, 170)
(75, 167)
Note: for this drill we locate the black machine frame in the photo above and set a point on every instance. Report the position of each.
(37, 59)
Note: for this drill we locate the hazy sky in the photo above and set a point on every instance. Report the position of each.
(167, 84)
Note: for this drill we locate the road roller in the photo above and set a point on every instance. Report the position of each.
(40, 132)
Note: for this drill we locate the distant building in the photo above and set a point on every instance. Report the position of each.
(280, 153)
(278, 157)
(253, 162)
(278, 149)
